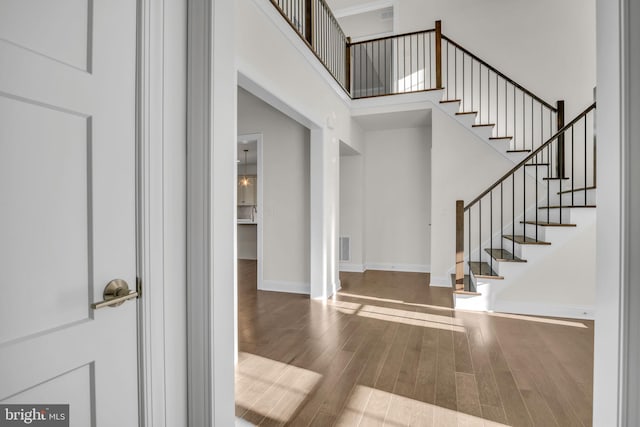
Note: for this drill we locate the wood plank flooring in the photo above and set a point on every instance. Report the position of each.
(390, 351)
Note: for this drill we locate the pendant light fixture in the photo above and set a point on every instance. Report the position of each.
(245, 181)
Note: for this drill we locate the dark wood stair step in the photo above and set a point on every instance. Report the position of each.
(547, 224)
(554, 178)
(518, 151)
(481, 125)
(503, 255)
(468, 284)
(567, 206)
(462, 113)
(493, 138)
(525, 240)
(446, 101)
(576, 190)
(483, 270)
(537, 164)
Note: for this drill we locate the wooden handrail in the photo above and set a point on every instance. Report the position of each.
(412, 33)
(499, 73)
(532, 155)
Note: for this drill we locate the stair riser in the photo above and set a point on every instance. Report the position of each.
(578, 198)
(451, 107)
(466, 119)
(502, 145)
(483, 131)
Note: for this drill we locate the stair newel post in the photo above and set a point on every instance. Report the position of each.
(347, 64)
(560, 166)
(459, 245)
(438, 55)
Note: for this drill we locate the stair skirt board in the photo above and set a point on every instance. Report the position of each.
(505, 307)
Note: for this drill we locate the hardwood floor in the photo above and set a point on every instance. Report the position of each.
(389, 350)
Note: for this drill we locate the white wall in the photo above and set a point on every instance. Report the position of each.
(352, 212)
(548, 46)
(285, 210)
(396, 201)
(462, 167)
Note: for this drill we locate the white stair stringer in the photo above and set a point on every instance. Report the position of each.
(556, 279)
(415, 100)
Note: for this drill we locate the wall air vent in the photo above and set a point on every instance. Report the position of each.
(345, 248)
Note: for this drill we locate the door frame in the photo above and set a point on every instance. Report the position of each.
(259, 202)
(211, 211)
(160, 211)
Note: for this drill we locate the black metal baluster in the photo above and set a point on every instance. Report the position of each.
(585, 160)
(491, 228)
(501, 218)
(513, 213)
(572, 173)
(480, 234)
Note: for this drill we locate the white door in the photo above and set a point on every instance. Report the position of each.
(67, 207)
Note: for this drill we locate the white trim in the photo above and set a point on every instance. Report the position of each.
(545, 309)
(408, 268)
(285, 286)
(258, 137)
(211, 187)
(440, 281)
(630, 209)
(352, 268)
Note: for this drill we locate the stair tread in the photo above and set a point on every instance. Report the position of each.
(503, 255)
(518, 151)
(576, 189)
(445, 101)
(553, 178)
(468, 284)
(525, 240)
(483, 270)
(537, 164)
(461, 113)
(479, 125)
(567, 206)
(547, 224)
(500, 137)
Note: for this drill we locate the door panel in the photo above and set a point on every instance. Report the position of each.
(67, 206)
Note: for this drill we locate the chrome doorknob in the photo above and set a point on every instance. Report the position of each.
(115, 293)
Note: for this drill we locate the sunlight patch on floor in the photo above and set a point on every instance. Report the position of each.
(413, 318)
(271, 388)
(540, 319)
(344, 306)
(369, 406)
(394, 301)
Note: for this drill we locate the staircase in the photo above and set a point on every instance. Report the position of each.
(527, 225)
(534, 227)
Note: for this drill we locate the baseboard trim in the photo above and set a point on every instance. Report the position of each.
(545, 309)
(406, 268)
(351, 268)
(440, 281)
(284, 286)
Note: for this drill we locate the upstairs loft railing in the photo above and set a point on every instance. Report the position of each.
(530, 194)
(318, 27)
(422, 61)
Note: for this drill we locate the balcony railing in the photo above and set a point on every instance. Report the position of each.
(318, 27)
(423, 61)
